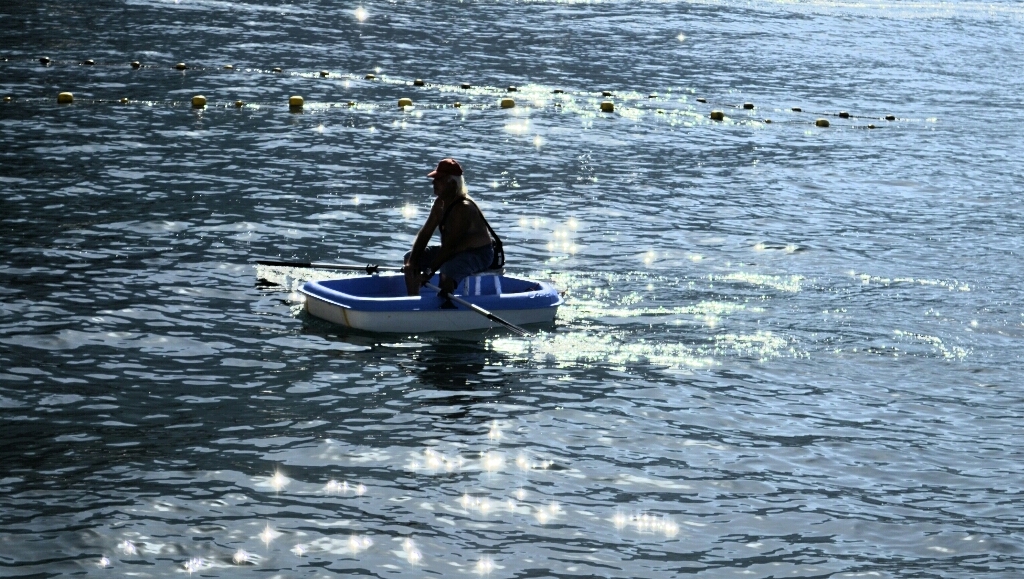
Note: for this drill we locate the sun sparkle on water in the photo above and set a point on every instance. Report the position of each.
(268, 534)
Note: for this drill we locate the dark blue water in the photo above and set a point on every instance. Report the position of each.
(786, 350)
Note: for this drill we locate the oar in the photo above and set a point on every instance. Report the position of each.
(369, 269)
(479, 310)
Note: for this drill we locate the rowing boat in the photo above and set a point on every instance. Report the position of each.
(378, 303)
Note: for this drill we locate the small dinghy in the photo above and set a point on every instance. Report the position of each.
(378, 303)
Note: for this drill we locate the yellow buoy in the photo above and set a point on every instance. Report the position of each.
(457, 105)
(65, 98)
(607, 107)
(325, 73)
(418, 82)
(276, 69)
(7, 99)
(370, 76)
(748, 106)
(296, 102)
(124, 100)
(507, 103)
(717, 116)
(405, 102)
(180, 66)
(821, 123)
(239, 104)
(844, 115)
(136, 64)
(198, 101)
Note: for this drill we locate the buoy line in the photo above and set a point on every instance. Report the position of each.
(296, 103)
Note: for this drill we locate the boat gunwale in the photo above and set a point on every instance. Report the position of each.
(411, 303)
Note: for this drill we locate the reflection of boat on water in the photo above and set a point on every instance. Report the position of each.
(378, 303)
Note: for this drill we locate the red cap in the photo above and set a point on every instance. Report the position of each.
(446, 167)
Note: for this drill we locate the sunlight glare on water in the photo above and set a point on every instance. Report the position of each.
(785, 349)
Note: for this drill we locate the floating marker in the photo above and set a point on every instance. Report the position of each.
(370, 76)
(65, 98)
(507, 103)
(198, 101)
(607, 107)
(661, 111)
(418, 82)
(466, 85)
(606, 93)
(890, 117)
(44, 60)
(558, 91)
(844, 115)
(7, 99)
(512, 88)
(276, 69)
(717, 116)
(239, 104)
(229, 67)
(405, 102)
(457, 105)
(702, 100)
(136, 64)
(821, 123)
(653, 95)
(768, 121)
(295, 102)
(180, 66)
(351, 103)
(871, 126)
(325, 73)
(124, 100)
(748, 106)
(88, 62)
(796, 109)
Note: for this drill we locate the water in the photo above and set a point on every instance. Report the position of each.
(786, 351)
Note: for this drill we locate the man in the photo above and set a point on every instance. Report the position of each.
(466, 244)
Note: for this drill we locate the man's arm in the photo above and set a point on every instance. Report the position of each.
(426, 232)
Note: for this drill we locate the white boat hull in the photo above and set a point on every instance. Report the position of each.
(422, 321)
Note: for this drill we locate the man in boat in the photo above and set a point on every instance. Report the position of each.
(466, 244)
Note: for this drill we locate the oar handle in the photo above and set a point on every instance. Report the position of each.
(479, 310)
(369, 268)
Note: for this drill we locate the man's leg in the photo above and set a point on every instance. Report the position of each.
(412, 270)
